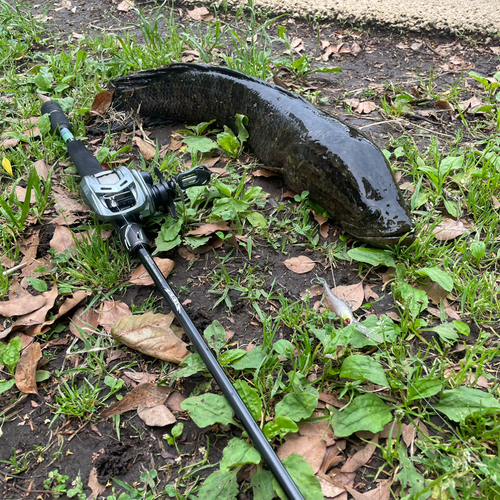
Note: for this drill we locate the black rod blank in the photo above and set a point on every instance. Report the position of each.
(259, 440)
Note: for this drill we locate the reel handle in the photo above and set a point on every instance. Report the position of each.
(84, 160)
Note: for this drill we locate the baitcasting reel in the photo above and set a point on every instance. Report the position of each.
(124, 192)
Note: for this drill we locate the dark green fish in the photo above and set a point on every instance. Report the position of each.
(339, 166)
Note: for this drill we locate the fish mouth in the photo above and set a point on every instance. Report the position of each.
(381, 241)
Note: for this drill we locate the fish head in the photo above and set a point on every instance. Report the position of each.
(371, 206)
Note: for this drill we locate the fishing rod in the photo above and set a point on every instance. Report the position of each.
(125, 197)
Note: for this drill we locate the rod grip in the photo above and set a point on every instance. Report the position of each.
(84, 160)
(58, 119)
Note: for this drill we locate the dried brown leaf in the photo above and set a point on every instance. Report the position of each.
(96, 487)
(449, 229)
(321, 430)
(86, 320)
(353, 102)
(370, 294)
(174, 401)
(152, 335)
(42, 169)
(146, 395)
(110, 312)
(157, 416)
(65, 203)
(355, 49)
(208, 229)
(365, 107)
(263, 172)
(187, 254)
(300, 264)
(362, 457)
(312, 448)
(21, 194)
(148, 151)
(22, 305)
(200, 14)
(409, 433)
(142, 377)
(25, 374)
(352, 294)
(329, 487)
(125, 5)
(141, 276)
(102, 102)
(332, 457)
(62, 239)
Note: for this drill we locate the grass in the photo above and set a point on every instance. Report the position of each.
(424, 367)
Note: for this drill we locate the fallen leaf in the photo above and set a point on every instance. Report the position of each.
(174, 401)
(329, 487)
(96, 487)
(21, 194)
(495, 50)
(345, 478)
(300, 264)
(361, 458)
(331, 49)
(370, 294)
(146, 395)
(435, 292)
(62, 239)
(110, 312)
(355, 49)
(470, 105)
(83, 319)
(365, 107)
(8, 142)
(457, 61)
(141, 377)
(409, 433)
(352, 294)
(394, 316)
(332, 456)
(449, 229)
(25, 374)
(141, 276)
(321, 430)
(102, 102)
(416, 46)
(496, 203)
(115, 354)
(264, 172)
(451, 313)
(297, 44)
(152, 335)
(156, 416)
(187, 254)
(22, 305)
(148, 151)
(29, 246)
(125, 5)
(353, 102)
(311, 448)
(200, 14)
(381, 492)
(42, 169)
(65, 203)
(208, 229)
(330, 400)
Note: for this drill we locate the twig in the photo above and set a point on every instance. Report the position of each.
(12, 270)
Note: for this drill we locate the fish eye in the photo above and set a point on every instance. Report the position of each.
(347, 321)
(372, 213)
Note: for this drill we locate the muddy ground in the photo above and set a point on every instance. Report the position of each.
(72, 448)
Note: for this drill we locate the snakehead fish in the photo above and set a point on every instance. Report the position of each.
(340, 167)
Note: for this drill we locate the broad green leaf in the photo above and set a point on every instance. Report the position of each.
(359, 367)
(461, 327)
(383, 328)
(446, 332)
(262, 484)
(457, 404)
(257, 219)
(229, 143)
(284, 348)
(490, 467)
(229, 356)
(67, 103)
(280, 426)
(340, 337)
(372, 256)
(38, 285)
(409, 477)
(171, 228)
(215, 335)
(195, 242)
(442, 278)
(250, 397)
(303, 476)
(219, 486)
(241, 123)
(5, 385)
(366, 413)
(11, 354)
(43, 80)
(450, 163)
(424, 388)
(413, 299)
(165, 246)
(199, 144)
(209, 409)
(43, 124)
(251, 361)
(237, 453)
(228, 208)
(297, 405)
(42, 375)
(190, 365)
(327, 70)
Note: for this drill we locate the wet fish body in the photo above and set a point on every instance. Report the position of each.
(338, 306)
(340, 167)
